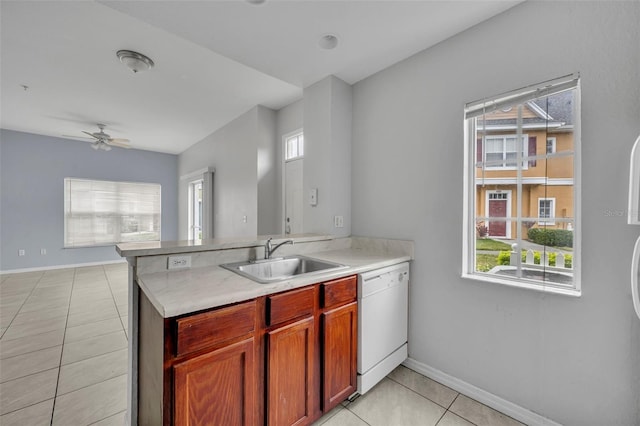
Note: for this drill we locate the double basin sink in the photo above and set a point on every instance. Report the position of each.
(282, 268)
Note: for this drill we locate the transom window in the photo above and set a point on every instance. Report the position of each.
(521, 203)
(294, 147)
(98, 212)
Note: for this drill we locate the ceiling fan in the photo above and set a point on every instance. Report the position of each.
(104, 141)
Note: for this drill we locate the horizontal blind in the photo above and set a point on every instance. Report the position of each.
(514, 97)
(105, 212)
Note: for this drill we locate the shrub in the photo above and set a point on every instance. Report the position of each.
(568, 259)
(504, 258)
(551, 237)
(536, 257)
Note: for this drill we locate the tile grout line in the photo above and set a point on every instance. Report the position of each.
(114, 302)
(120, 319)
(23, 302)
(55, 395)
(425, 397)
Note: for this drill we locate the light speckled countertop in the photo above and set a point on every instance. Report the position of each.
(181, 292)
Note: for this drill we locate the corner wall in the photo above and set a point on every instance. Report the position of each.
(327, 107)
(573, 360)
(242, 153)
(32, 172)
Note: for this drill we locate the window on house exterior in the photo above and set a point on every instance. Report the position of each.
(521, 179)
(546, 211)
(294, 147)
(98, 213)
(501, 151)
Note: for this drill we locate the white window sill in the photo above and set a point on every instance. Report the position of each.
(524, 284)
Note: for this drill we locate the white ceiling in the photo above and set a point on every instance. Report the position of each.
(214, 59)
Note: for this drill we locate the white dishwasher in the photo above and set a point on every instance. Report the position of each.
(383, 297)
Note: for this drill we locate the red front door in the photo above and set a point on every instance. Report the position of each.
(498, 208)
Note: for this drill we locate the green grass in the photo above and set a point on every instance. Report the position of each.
(493, 245)
(484, 262)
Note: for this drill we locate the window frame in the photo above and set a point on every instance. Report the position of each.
(299, 137)
(494, 103)
(551, 139)
(505, 161)
(194, 213)
(551, 220)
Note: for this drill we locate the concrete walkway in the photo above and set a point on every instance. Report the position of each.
(526, 245)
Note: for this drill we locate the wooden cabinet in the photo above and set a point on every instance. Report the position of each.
(216, 388)
(290, 351)
(278, 360)
(339, 341)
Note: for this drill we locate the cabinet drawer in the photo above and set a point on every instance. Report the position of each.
(211, 328)
(290, 305)
(340, 291)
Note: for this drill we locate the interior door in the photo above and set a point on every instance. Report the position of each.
(293, 196)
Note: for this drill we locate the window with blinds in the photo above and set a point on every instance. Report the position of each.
(521, 179)
(98, 212)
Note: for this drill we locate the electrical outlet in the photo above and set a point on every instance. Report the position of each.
(338, 221)
(43, 251)
(179, 262)
(21, 252)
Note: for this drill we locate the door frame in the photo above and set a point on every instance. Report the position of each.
(508, 200)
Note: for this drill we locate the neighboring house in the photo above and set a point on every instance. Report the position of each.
(547, 169)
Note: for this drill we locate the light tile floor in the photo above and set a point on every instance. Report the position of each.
(63, 361)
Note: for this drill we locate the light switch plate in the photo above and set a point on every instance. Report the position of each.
(313, 197)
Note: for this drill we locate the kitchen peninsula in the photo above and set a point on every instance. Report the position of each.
(184, 322)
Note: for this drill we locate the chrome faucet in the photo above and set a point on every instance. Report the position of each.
(268, 250)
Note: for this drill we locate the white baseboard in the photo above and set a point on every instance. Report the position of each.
(509, 408)
(75, 265)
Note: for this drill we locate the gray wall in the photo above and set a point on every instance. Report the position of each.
(573, 360)
(233, 151)
(32, 173)
(327, 107)
(268, 183)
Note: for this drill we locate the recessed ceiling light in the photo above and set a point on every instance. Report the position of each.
(135, 61)
(328, 41)
(256, 1)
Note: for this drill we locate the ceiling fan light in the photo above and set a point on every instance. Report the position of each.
(95, 145)
(105, 147)
(135, 61)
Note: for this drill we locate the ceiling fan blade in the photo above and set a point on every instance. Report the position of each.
(91, 134)
(119, 142)
(84, 138)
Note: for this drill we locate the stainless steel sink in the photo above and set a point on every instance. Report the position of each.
(282, 268)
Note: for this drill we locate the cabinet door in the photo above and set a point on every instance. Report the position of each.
(339, 364)
(290, 374)
(217, 388)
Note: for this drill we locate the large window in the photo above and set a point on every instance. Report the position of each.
(100, 212)
(521, 187)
